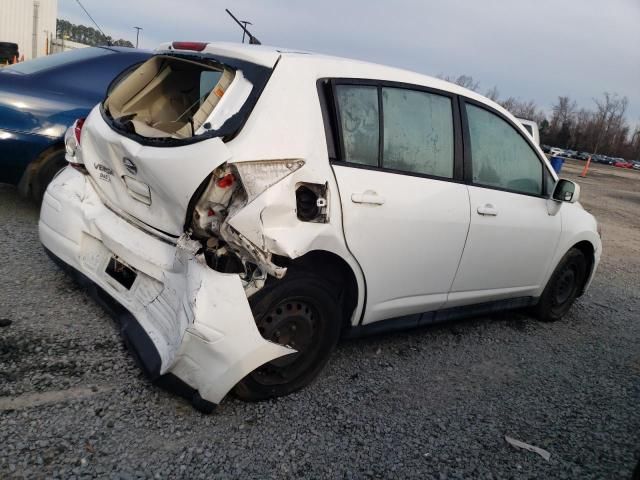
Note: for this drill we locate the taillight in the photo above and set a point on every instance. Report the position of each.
(72, 143)
(77, 128)
(196, 46)
(226, 181)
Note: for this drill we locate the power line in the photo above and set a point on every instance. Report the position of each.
(94, 22)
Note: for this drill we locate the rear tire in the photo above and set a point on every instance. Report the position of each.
(563, 287)
(301, 311)
(51, 165)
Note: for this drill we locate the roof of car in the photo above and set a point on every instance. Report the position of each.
(269, 54)
(126, 49)
(352, 68)
(258, 54)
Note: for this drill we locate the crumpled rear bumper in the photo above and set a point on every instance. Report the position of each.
(179, 317)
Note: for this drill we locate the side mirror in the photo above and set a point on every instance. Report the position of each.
(566, 191)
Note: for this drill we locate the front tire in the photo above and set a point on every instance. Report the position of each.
(563, 287)
(301, 311)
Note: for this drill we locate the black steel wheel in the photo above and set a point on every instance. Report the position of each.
(563, 286)
(300, 311)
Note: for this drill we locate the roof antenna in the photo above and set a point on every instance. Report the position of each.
(252, 40)
(95, 23)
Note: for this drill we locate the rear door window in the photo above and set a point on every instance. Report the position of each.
(418, 132)
(395, 128)
(500, 156)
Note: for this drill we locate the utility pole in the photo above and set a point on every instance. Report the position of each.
(243, 25)
(244, 30)
(137, 34)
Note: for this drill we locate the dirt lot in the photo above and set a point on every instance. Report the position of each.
(431, 403)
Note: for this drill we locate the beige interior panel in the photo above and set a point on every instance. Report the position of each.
(163, 95)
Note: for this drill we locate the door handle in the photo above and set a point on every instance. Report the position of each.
(370, 197)
(488, 210)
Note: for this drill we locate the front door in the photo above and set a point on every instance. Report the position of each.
(405, 215)
(512, 237)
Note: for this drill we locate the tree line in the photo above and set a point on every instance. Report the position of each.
(87, 35)
(601, 128)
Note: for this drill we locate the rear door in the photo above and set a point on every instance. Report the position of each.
(512, 237)
(405, 210)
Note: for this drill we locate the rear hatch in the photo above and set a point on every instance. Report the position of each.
(161, 132)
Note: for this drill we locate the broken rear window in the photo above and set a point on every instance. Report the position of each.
(170, 97)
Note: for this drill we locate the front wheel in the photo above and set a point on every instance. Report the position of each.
(563, 287)
(300, 311)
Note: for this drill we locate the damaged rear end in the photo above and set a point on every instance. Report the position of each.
(156, 214)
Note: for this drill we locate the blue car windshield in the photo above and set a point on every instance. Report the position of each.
(57, 59)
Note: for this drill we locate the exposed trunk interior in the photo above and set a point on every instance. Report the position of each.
(169, 96)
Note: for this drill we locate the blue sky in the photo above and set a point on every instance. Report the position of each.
(529, 49)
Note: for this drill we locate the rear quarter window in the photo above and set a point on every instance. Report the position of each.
(360, 123)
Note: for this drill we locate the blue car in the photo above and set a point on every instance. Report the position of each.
(41, 98)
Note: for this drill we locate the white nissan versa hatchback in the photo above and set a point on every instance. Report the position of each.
(240, 208)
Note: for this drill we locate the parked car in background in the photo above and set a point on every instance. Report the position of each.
(636, 164)
(583, 156)
(602, 159)
(8, 53)
(239, 259)
(556, 152)
(622, 164)
(40, 99)
(531, 127)
(545, 148)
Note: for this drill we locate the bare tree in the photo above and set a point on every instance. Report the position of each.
(463, 80)
(523, 109)
(493, 94)
(562, 113)
(600, 130)
(609, 119)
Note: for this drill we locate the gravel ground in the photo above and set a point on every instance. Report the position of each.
(431, 403)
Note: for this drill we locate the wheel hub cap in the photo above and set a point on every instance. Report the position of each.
(292, 324)
(565, 285)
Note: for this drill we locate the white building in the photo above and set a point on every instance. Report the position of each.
(58, 45)
(28, 23)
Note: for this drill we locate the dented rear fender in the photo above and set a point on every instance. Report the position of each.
(198, 320)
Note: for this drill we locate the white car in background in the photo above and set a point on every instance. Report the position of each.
(241, 208)
(532, 128)
(556, 152)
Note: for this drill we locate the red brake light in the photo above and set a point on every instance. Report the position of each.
(196, 46)
(77, 128)
(226, 181)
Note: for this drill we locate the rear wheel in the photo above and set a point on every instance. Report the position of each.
(51, 165)
(563, 287)
(300, 311)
